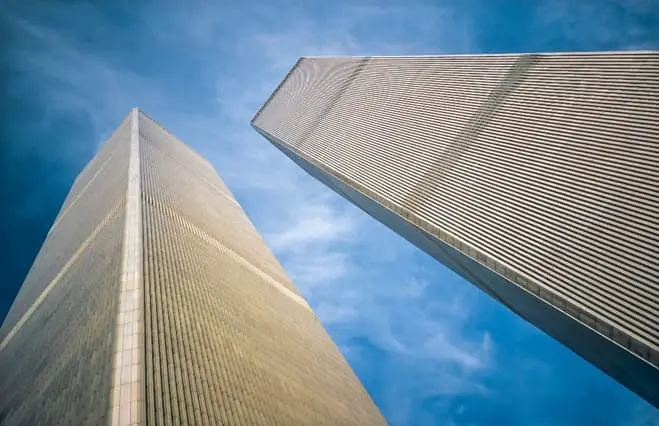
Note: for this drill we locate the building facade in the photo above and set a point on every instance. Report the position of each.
(535, 177)
(155, 301)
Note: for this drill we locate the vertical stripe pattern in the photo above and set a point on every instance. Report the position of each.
(229, 340)
(127, 372)
(154, 300)
(542, 168)
(58, 340)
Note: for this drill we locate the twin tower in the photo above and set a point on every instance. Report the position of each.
(155, 301)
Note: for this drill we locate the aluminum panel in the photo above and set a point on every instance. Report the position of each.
(542, 168)
(155, 301)
(86, 205)
(57, 370)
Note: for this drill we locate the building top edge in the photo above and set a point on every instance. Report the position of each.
(274, 92)
(446, 55)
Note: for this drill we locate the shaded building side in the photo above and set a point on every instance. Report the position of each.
(57, 341)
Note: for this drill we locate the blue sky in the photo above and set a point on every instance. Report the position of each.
(430, 348)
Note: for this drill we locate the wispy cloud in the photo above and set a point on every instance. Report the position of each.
(424, 321)
(319, 223)
(316, 269)
(203, 70)
(354, 272)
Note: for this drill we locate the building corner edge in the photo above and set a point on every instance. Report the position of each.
(127, 376)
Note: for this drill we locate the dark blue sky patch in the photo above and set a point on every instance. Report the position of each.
(429, 347)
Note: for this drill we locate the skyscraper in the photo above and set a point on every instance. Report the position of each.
(535, 177)
(155, 301)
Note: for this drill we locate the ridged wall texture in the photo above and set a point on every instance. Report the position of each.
(534, 176)
(228, 338)
(216, 333)
(57, 341)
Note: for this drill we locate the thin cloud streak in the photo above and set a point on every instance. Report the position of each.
(410, 331)
(318, 236)
(319, 224)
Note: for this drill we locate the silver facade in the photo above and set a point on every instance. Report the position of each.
(155, 301)
(533, 176)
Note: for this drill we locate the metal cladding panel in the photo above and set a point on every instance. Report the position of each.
(313, 87)
(228, 338)
(99, 187)
(183, 180)
(57, 370)
(110, 160)
(56, 367)
(57, 342)
(542, 168)
(206, 329)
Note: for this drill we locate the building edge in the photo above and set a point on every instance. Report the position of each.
(623, 365)
(127, 393)
(274, 92)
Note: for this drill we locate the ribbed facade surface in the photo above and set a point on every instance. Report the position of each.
(155, 301)
(57, 341)
(534, 176)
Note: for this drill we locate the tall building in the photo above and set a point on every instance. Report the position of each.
(155, 301)
(535, 177)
